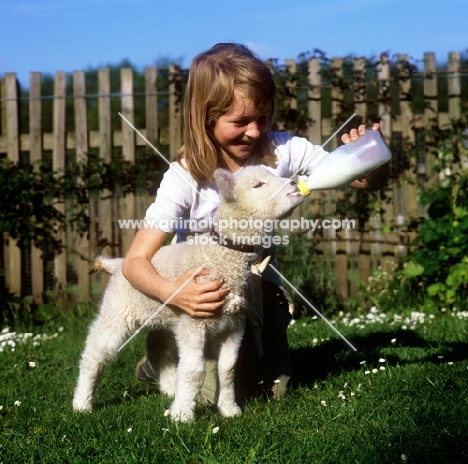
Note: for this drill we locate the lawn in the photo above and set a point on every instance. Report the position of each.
(401, 397)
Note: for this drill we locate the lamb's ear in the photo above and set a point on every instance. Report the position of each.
(226, 182)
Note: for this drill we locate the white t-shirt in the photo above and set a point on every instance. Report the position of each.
(180, 197)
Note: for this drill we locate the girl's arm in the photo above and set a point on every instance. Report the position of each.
(376, 179)
(198, 300)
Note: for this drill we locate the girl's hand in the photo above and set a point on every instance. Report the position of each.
(354, 134)
(376, 179)
(197, 299)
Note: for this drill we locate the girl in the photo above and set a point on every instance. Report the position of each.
(229, 111)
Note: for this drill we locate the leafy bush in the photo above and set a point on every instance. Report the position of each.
(33, 212)
(439, 260)
(436, 272)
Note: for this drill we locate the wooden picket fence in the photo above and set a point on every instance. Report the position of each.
(353, 254)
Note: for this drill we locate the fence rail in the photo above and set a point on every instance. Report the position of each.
(353, 254)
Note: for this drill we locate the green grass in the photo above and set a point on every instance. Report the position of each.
(414, 410)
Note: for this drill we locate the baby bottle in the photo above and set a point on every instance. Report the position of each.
(347, 163)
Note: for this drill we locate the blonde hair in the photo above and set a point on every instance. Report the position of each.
(214, 77)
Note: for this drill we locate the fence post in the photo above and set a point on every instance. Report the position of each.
(357, 246)
(35, 155)
(291, 102)
(12, 251)
(101, 210)
(152, 133)
(430, 90)
(35, 117)
(105, 133)
(81, 243)
(431, 112)
(408, 198)
(336, 249)
(290, 86)
(314, 130)
(152, 122)
(128, 134)
(314, 105)
(359, 89)
(402, 126)
(175, 113)
(385, 116)
(58, 164)
(127, 203)
(3, 111)
(12, 132)
(454, 87)
(385, 120)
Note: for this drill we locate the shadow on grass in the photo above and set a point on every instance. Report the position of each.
(315, 363)
(312, 364)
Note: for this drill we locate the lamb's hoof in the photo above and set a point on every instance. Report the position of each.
(181, 414)
(229, 410)
(82, 407)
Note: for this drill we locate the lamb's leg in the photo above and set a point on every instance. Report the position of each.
(101, 347)
(190, 371)
(228, 353)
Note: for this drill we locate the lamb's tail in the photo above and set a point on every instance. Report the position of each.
(106, 265)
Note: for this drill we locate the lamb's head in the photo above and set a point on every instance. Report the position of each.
(255, 193)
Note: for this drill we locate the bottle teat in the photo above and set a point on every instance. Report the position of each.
(303, 188)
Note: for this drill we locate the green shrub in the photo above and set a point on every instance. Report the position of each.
(436, 272)
(439, 262)
(31, 194)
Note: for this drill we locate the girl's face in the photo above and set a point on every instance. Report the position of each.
(237, 132)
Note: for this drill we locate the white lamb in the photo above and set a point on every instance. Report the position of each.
(245, 195)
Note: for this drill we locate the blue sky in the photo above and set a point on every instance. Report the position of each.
(68, 35)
